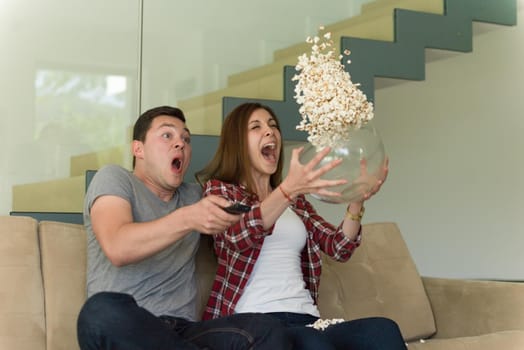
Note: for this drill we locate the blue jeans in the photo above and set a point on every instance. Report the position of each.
(114, 321)
(374, 333)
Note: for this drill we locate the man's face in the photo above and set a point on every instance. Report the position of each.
(164, 156)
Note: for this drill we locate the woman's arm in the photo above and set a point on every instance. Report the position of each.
(247, 232)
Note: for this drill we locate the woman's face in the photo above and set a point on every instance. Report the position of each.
(264, 142)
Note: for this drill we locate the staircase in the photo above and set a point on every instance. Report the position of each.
(390, 39)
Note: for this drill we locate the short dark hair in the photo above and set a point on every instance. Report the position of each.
(143, 123)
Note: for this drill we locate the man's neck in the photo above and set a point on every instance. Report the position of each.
(164, 194)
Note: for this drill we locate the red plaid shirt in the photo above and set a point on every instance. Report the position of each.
(238, 247)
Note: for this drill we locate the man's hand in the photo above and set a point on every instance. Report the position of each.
(210, 217)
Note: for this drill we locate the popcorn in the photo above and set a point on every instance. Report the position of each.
(330, 103)
(321, 324)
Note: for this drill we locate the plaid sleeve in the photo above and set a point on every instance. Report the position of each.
(249, 231)
(330, 240)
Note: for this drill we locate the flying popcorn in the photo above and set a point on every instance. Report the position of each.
(330, 104)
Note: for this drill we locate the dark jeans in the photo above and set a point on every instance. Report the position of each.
(114, 321)
(374, 333)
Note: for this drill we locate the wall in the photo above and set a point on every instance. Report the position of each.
(191, 48)
(68, 84)
(74, 72)
(453, 139)
(456, 159)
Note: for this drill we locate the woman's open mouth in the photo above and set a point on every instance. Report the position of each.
(269, 152)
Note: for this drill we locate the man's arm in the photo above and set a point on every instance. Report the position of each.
(125, 242)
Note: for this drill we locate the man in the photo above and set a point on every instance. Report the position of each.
(143, 233)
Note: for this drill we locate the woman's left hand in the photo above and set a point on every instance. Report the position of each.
(355, 209)
(374, 181)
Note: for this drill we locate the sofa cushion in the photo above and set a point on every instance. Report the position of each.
(63, 248)
(380, 279)
(507, 340)
(22, 324)
(206, 266)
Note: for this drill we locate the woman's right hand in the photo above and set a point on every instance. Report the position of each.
(306, 178)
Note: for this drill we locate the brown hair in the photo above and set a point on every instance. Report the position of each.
(231, 160)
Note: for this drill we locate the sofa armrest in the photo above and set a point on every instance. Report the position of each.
(472, 307)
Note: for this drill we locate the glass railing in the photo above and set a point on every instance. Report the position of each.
(76, 74)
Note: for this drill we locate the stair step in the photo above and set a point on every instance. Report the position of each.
(95, 160)
(375, 23)
(268, 72)
(378, 28)
(266, 82)
(204, 113)
(62, 195)
(431, 6)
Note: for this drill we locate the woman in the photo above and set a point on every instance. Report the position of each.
(270, 261)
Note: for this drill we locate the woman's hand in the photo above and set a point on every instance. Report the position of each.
(355, 209)
(371, 183)
(305, 178)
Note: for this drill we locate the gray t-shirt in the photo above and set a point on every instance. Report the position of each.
(164, 283)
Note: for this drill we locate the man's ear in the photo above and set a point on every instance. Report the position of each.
(137, 148)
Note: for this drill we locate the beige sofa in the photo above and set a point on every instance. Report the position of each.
(42, 274)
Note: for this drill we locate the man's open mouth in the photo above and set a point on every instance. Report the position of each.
(176, 164)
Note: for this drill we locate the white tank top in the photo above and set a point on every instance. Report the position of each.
(276, 283)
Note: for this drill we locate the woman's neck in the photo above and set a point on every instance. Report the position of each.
(262, 187)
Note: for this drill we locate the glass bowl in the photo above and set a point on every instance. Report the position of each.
(363, 161)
